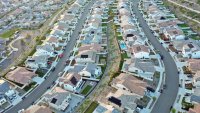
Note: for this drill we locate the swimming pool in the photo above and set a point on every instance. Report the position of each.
(122, 45)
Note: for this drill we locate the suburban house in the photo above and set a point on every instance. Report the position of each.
(88, 53)
(68, 18)
(58, 99)
(178, 45)
(195, 97)
(65, 28)
(5, 89)
(162, 24)
(196, 79)
(123, 100)
(191, 50)
(143, 68)
(92, 35)
(45, 49)
(71, 81)
(38, 109)
(196, 109)
(140, 51)
(130, 83)
(2, 100)
(104, 108)
(130, 33)
(20, 75)
(57, 33)
(35, 61)
(91, 70)
(194, 65)
(74, 9)
(126, 23)
(3, 47)
(174, 33)
(2, 50)
(124, 11)
(52, 40)
(134, 40)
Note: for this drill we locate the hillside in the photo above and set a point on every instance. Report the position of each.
(187, 11)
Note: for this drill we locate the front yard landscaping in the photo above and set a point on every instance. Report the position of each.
(186, 70)
(124, 55)
(189, 86)
(157, 74)
(119, 37)
(143, 101)
(183, 25)
(92, 107)
(30, 86)
(86, 90)
(40, 72)
(186, 105)
(104, 24)
(102, 59)
(195, 37)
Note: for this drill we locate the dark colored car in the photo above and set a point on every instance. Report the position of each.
(53, 69)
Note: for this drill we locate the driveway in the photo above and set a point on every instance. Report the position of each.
(42, 88)
(168, 97)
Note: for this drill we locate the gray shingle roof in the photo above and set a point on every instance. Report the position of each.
(46, 47)
(145, 65)
(4, 87)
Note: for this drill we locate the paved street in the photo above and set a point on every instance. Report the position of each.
(41, 89)
(167, 98)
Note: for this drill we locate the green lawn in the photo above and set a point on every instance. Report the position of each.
(196, 37)
(104, 30)
(186, 105)
(86, 90)
(118, 34)
(157, 74)
(92, 107)
(183, 25)
(104, 24)
(103, 68)
(119, 37)
(9, 33)
(104, 20)
(170, 17)
(124, 55)
(40, 72)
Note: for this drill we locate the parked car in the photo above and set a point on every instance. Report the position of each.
(61, 55)
(53, 69)
(164, 86)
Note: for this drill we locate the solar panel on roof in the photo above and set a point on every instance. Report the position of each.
(129, 35)
(84, 56)
(115, 101)
(53, 100)
(190, 45)
(74, 81)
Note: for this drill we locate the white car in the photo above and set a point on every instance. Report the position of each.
(21, 111)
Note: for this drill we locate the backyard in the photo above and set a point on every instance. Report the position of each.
(92, 107)
(86, 90)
